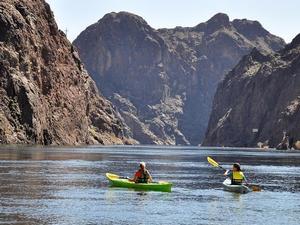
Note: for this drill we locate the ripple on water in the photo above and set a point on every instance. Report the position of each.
(68, 186)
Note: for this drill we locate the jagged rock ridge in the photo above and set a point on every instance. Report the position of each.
(162, 81)
(258, 100)
(46, 95)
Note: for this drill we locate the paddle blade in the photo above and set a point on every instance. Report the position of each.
(212, 162)
(255, 187)
(112, 176)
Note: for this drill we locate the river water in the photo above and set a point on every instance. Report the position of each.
(68, 186)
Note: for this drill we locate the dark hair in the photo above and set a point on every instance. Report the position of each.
(237, 166)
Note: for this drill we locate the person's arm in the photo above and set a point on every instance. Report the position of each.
(228, 173)
(245, 179)
(150, 180)
(134, 179)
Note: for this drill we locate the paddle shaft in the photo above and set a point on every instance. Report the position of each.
(155, 182)
(221, 167)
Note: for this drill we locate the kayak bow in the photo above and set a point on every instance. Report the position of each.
(117, 181)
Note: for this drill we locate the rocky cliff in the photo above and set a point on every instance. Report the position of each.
(163, 81)
(258, 100)
(46, 96)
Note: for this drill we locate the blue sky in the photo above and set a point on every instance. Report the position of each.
(281, 18)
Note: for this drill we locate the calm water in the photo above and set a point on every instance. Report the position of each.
(68, 186)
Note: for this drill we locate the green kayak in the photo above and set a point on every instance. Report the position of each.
(242, 189)
(117, 181)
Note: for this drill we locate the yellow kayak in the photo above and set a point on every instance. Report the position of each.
(117, 181)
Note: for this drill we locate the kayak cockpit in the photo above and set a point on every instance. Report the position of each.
(242, 189)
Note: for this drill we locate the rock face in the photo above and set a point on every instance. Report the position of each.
(262, 92)
(46, 95)
(163, 81)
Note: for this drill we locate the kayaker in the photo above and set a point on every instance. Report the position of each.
(142, 175)
(236, 174)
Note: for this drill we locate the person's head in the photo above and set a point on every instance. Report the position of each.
(142, 165)
(236, 167)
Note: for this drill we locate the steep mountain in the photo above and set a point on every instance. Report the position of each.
(46, 96)
(163, 81)
(258, 100)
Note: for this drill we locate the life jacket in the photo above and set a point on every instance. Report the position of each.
(142, 176)
(237, 177)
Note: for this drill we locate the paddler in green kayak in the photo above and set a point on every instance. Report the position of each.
(236, 175)
(142, 175)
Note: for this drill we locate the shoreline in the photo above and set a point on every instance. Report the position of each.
(141, 147)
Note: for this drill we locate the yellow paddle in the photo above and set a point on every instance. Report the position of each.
(212, 162)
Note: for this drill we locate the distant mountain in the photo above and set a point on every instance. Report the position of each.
(163, 81)
(46, 96)
(258, 100)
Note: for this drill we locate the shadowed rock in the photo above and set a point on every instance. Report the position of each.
(46, 96)
(168, 76)
(258, 100)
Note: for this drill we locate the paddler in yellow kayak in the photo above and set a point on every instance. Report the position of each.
(142, 175)
(236, 175)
